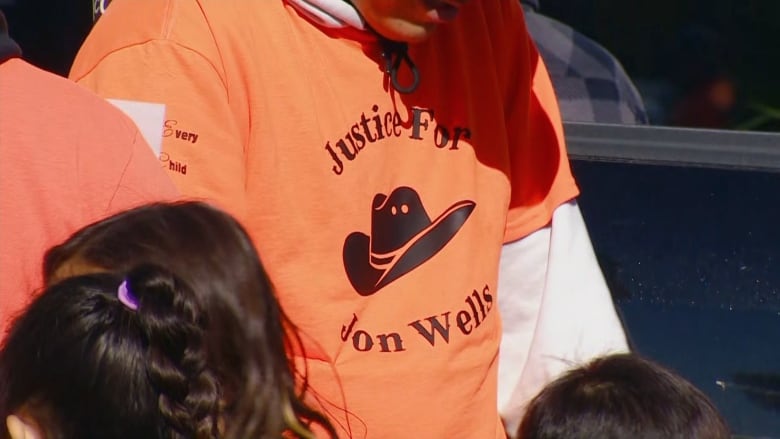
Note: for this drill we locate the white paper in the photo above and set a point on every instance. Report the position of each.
(149, 117)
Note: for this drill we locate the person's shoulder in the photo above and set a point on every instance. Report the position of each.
(188, 27)
(496, 23)
(34, 93)
(128, 22)
(194, 24)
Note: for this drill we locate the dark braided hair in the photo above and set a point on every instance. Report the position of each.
(248, 337)
(173, 324)
(85, 365)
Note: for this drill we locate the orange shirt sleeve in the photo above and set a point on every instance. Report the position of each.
(540, 173)
(203, 148)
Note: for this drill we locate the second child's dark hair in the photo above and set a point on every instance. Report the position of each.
(83, 364)
(248, 335)
(622, 396)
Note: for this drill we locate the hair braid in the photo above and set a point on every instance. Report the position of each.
(173, 325)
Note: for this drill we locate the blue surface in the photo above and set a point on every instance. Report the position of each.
(691, 256)
(708, 345)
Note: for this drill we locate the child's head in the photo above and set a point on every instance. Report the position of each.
(621, 397)
(246, 335)
(103, 356)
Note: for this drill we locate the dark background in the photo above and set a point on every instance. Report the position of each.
(49, 31)
(691, 256)
(672, 42)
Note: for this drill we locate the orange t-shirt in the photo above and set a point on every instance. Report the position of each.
(380, 216)
(68, 158)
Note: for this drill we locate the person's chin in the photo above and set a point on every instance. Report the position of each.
(407, 32)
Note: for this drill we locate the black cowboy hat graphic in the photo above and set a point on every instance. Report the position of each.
(402, 238)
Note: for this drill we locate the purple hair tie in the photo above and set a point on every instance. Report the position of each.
(126, 297)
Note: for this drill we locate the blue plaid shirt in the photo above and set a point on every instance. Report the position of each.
(590, 83)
